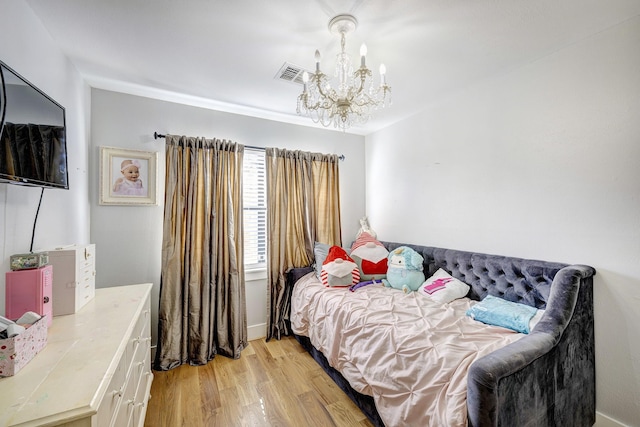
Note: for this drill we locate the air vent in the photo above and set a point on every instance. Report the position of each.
(290, 73)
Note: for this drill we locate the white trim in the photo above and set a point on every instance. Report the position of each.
(605, 421)
(197, 101)
(255, 274)
(255, 332)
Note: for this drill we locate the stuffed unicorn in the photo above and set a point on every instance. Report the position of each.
(404, 270)
(364, 228)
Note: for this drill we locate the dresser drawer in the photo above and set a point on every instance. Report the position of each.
(142, 329)
(140, 338)
(137, 352)
(142, 392)
(86, 273)
(86, 256)
(125, 409)
(113, 395)
(85, 289)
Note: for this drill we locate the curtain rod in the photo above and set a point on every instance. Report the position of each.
(157, 135)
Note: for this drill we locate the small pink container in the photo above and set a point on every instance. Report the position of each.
(29, 290)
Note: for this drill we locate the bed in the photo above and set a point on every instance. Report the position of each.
(406, 360)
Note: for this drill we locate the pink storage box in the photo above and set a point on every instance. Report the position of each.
(16, 352)
(29, 290)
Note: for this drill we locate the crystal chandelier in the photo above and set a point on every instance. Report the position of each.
(354, 97)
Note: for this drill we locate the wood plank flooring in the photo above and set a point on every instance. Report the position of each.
(275, 383)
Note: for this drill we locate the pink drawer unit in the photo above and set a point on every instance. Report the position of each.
(29, 290)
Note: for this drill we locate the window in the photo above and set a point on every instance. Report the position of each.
(255, 209)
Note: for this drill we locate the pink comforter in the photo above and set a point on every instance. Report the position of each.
(409, 353)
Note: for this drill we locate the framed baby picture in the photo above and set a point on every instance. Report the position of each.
(128, 177)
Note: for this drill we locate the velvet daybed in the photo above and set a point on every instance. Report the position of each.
(544, 378)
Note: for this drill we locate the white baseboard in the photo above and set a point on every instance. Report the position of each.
(255, 332)
(605, 421)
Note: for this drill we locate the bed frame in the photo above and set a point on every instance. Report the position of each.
(547, 378)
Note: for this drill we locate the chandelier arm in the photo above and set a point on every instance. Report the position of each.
(320, 91)
(330, 95)
(318, 105)
(362, 73)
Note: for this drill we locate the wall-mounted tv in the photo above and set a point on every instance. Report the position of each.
(33, 148)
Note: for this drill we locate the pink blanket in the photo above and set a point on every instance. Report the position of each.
(409, 353)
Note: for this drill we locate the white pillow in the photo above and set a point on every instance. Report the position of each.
(443, 288)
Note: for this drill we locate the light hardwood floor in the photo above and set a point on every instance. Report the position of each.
(274, 383)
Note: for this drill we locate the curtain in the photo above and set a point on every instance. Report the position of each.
(202, 295)
(303, 207)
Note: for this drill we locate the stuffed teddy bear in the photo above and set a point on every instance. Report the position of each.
(404, 270)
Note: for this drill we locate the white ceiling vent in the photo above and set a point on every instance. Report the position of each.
(290, 73)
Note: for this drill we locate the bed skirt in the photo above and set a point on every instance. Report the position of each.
(364, 402)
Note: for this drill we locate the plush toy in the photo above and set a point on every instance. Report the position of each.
(370, 256)
(404, 269)
(365, 228)
(338, 269)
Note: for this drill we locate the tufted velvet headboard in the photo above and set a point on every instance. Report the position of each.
(514, 279)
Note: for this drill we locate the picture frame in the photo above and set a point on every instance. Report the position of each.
(128, 177)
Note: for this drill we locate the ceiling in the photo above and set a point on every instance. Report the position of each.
(225, 54)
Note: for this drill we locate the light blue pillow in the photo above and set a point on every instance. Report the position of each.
(320, 252)
(498, 312)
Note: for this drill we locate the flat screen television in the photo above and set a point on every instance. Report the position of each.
(33, 148)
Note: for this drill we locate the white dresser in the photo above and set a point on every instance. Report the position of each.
(74, 278)
(94, 371)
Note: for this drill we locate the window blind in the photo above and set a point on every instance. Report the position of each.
(254, 209)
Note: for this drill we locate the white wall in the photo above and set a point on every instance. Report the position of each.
(539, 162)
(64, 215)
(128, 239)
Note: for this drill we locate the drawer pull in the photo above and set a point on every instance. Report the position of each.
(117, 393)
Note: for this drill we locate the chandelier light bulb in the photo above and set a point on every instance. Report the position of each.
(383, 71)
(317, 56)
(363, 54)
